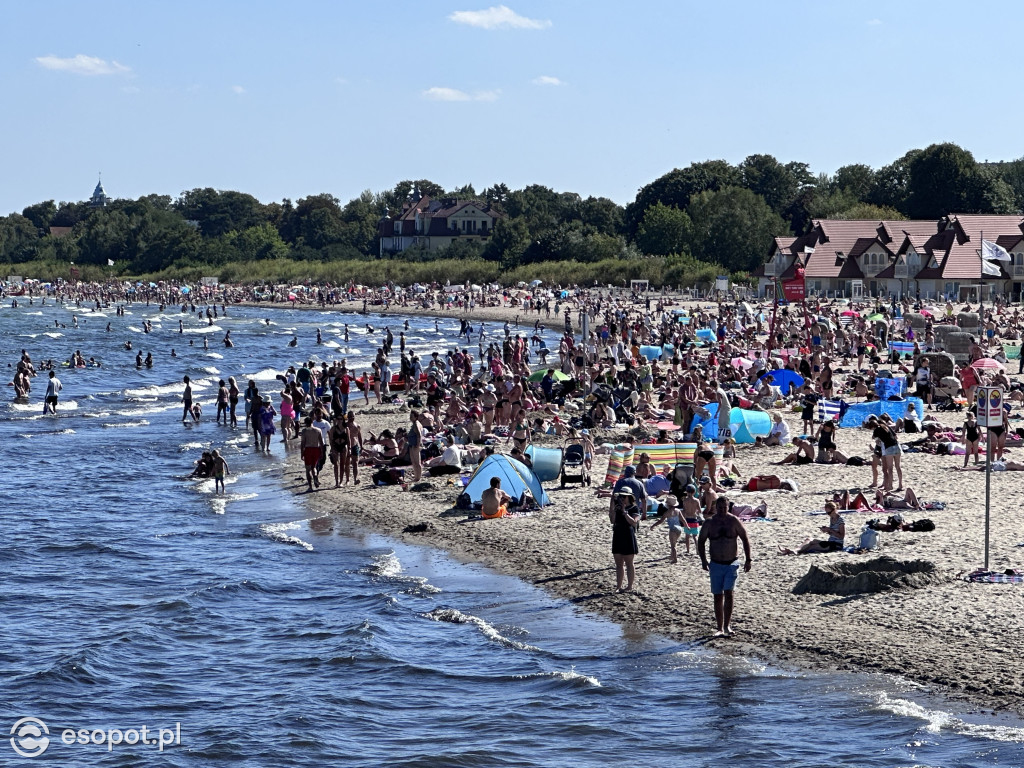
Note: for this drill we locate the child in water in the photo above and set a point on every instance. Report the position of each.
(220, 469)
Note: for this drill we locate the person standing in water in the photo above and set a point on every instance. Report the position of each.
(220, 469)
(53, 388)
(722, 530)
(186, 400)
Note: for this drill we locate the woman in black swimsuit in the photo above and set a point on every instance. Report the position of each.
(972, 438)
(338, 436)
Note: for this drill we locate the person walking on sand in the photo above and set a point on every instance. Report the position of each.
(414, 439)
(53, 388)
(220, 469)
(311, 444)
(355, 445)
(721, 531)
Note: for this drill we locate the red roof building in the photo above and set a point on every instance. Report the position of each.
(435, 224)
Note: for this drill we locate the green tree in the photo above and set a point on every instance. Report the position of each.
(676, 188)
(41, 214)
(891, 186)
(604, 215)
(767, 177)
(508, 242)
(19, 238)
(219, 212)
(857, 179)
(733, 227)
(664, 230)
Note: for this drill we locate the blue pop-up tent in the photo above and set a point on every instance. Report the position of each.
(857, 412)
(748, 425)
(783, 378)
(515, 476)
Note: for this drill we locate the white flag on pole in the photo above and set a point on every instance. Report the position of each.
(110, 262)
(990, 269)
(994, 251)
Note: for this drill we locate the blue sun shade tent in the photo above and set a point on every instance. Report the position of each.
(783, 379)
(857, 413)
(748, 425)
(744, 425)
(515, 476)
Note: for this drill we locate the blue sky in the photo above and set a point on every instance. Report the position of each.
(291, 99)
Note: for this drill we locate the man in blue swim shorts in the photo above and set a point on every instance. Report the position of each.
(721, 531)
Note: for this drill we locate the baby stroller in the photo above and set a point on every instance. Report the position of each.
(573, 469)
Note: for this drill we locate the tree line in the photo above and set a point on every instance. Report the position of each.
(684, 227)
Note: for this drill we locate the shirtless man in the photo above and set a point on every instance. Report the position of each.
(355, 445)
(493, 501)
(311, 445)
(722, 530)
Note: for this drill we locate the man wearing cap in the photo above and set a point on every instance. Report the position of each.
(722, 531)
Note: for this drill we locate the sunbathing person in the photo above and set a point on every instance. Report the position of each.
(836, 530)
(997, 466)
(804, 453)
(771, 483)
(890, 501)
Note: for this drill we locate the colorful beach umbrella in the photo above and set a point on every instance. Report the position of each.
(557, 375)
(988, 364)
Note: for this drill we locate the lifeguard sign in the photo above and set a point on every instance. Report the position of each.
(794, 289)
(990, 406)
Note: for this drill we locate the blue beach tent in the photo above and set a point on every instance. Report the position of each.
(748, 425)
(782, 378)
(515, 476)
(857, 412)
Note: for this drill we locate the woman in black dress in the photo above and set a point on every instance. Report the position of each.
(625, 519)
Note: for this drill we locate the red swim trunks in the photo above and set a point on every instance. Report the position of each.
(311, 456)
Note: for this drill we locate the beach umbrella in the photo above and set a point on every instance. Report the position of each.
(668, 426)
(784, 378)
(742, 362)
(186, 289)
(535, 283)
(876, 318)
(987, 364)
(152, 285)
(557, 375)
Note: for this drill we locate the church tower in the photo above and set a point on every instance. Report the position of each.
(99, 198)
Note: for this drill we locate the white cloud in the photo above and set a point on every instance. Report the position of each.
(498, 17)
(874, 22)
(547, 80)
(82, 65)
(454, 94)
(238, 89)
(445, 94)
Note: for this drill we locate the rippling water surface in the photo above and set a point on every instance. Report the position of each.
(134, 597)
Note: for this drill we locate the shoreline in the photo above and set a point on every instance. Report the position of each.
(952, 636)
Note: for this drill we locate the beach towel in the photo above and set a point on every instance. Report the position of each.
(903, 347)
(982, 576)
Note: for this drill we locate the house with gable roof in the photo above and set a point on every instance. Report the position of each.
(894, 258)
(436, 223)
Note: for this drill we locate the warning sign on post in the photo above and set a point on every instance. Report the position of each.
(990, 406)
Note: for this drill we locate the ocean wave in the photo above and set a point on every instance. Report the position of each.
(276, 532)
(205, 329)
(455, 616)
(156, 390)
(937, 721)
(63, 405)
(572, 676)
(53, 334)
(215, 355)
(126, 424)
(267, 374)
(190, 446)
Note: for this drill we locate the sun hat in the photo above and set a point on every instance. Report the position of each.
(625, 492)
(671, 502)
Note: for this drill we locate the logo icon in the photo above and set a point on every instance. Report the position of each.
(30, 737)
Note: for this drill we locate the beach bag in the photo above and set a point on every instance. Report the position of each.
(922, 525)
(464, 501)
(869, 539)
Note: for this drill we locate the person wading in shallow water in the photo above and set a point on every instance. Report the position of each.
(723, 530)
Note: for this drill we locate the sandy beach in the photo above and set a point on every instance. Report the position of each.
(958, 638)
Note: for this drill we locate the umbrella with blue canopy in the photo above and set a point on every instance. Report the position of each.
(783, 378)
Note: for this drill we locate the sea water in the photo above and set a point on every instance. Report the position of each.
(245, 630)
